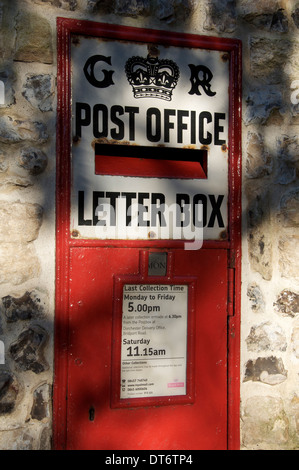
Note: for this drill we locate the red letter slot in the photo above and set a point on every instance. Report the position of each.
(155, 162)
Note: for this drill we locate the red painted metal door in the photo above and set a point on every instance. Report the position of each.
(91, 422)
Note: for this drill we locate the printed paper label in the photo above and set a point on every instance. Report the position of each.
(154, 340)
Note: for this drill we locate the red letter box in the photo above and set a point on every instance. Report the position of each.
(148, 239)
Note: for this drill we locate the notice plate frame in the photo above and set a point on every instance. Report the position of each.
(139, 279)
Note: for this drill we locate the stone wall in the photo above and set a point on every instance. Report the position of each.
(270, 292)
(269, 345)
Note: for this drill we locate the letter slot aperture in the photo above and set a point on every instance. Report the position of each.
(142, 161)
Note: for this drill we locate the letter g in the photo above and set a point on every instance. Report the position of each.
(89, 71)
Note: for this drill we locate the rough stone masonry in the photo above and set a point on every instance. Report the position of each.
(270, 276)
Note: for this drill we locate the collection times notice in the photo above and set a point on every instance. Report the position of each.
(154, 340)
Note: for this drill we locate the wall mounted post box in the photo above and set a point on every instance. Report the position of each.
(148, 239)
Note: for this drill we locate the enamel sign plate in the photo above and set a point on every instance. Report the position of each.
(149, 140)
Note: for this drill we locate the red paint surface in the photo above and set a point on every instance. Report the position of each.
(198, 425)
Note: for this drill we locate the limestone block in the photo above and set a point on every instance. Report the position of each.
(256, 297)
(259, 233)
(39, 91)
(260, 253)
(33, 160)
(14, 130)
(16, 439)
(295, 340)
(19, 222)
(63, 4)
(265, 424)
(288, 147)
(289, 256)
(103, 6)
(7, 29)
(266, 337)
(279, 22)
(286, 172)
(34, 39)
(40, 408)
(269, 370)
(265, 14)
(45, 441)
(262, 407)
(288, 156)
(170, 11)
(28, 350)
(287, 303)
(268, 57)
(18, 263)
(295, 16)
(289, 207)
(31, 305)
(259, 162)
(261, 102)
(295, 415)
(249, 8)
(132, 7)
(9, 390)
(3, 162)
(221, 16)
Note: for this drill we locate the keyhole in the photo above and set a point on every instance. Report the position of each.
(91, 414)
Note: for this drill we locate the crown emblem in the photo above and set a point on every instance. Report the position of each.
(151, 77)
